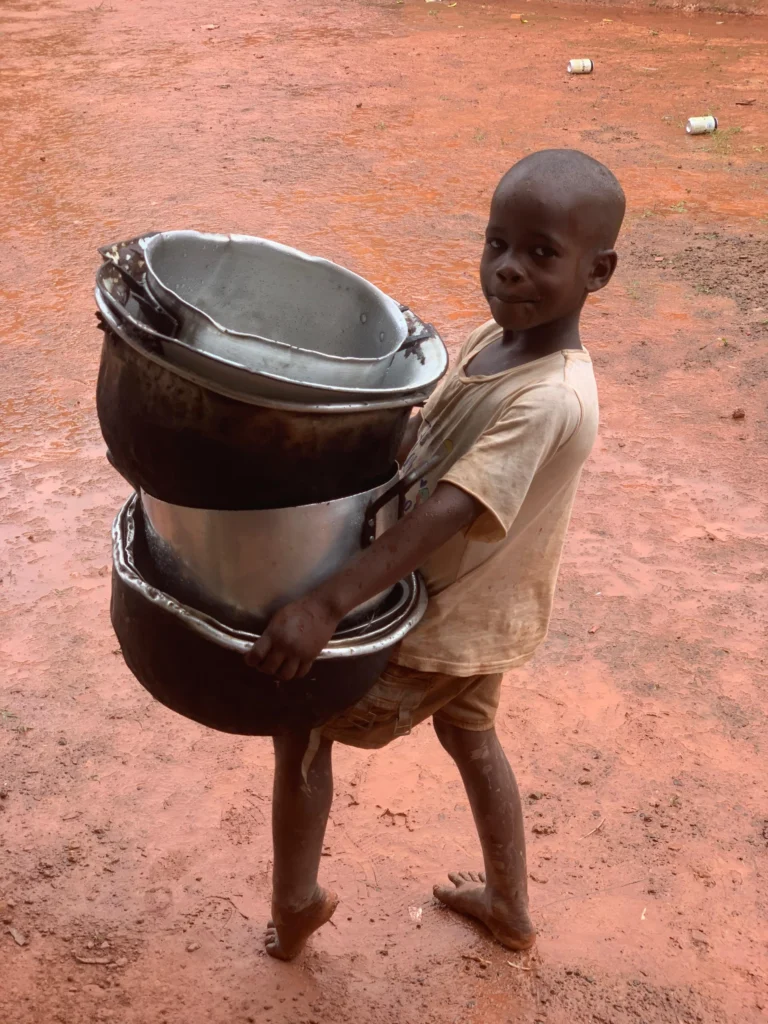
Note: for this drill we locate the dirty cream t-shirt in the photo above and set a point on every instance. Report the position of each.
(516, 441)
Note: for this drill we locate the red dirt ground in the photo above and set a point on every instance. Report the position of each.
(138, 841)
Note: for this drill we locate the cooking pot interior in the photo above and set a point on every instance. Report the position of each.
(255, 286)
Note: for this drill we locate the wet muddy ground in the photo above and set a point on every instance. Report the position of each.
(134, 846)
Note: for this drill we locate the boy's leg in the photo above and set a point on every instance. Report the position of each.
(299, 815)
(499, 897)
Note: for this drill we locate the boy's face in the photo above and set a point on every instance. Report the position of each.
(539, 262)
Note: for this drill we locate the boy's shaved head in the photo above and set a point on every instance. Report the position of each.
(574, 181)
(554, 220)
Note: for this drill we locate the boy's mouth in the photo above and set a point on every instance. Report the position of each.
(512, 301)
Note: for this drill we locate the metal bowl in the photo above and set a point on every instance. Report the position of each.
(267, 301)
(194, 664)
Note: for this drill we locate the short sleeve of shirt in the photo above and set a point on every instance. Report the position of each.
(499, 467)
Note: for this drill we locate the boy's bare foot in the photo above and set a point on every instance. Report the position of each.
(509, 924)
(287, 934)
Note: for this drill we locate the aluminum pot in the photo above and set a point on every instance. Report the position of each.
(267, 373)
(244, 565)
(194, 665)
(263, 303)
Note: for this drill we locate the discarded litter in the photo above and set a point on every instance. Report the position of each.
(580, 67)
(415, 913)
(18, 937)
(701, 125)
(518, 967)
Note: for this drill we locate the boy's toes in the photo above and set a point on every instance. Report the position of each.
(446, 894)
(460, 878)
(272, 944)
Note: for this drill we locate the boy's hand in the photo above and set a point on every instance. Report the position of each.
(298, 633)
(294, 638)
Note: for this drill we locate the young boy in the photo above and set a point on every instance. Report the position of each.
(513, 423)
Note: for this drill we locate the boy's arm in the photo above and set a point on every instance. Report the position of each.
(298, 632)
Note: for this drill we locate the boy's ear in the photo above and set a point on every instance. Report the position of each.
(602, 270)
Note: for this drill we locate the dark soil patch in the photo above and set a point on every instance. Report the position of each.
(711, 262)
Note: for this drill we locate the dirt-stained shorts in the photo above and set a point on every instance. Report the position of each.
(403, 697)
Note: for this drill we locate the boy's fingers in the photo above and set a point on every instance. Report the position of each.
(272, 663)
(304, 669)
(258, 652)
(265, 656)
(288, 669)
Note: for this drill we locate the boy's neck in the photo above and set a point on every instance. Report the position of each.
(516, 348)
(546, 339)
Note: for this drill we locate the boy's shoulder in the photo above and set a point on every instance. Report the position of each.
(485, 332)
(561, 371)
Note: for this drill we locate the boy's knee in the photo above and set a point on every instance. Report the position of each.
(452, 737)
(291, 749)
(457, 741)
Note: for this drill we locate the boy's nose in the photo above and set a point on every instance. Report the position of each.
(510, 271)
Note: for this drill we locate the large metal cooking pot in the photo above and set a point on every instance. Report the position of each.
(184, 426)
(244, 565)
(266, 372)
(188, 444)
(194, 664)
(265, 305)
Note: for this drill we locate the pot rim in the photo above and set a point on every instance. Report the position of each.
(241, 641)
(407, 399)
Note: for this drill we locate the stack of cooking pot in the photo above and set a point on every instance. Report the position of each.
(255, 398)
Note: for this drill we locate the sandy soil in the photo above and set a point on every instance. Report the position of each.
(134, 846)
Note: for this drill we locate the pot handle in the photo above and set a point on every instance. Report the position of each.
(399, 488)
(418, 331)
(158, 317)
(132, 246)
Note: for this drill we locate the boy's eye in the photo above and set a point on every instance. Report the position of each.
(545, 252)
(495, 243)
